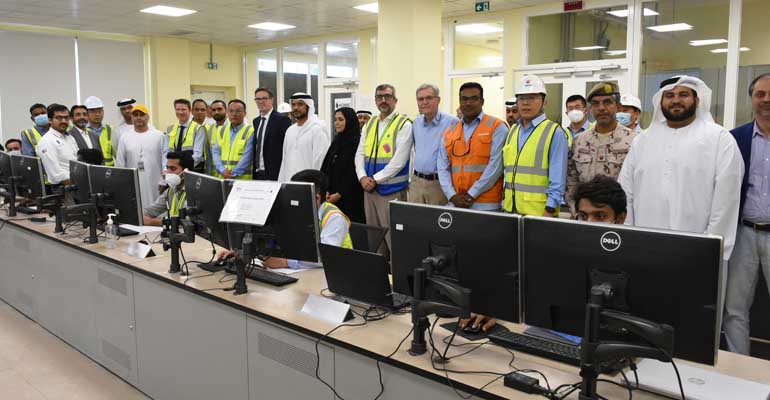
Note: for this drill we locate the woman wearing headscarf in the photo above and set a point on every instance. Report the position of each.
(344, 189)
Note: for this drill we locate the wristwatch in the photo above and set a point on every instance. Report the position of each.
(550, 210)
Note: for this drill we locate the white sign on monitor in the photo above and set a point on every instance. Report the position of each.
(250, 202)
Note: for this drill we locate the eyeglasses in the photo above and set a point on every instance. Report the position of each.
(381, 97)
(261, 98)
(527, 98)
(426, 99)
(61, 117)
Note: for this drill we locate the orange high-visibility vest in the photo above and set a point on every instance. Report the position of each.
(469, 160)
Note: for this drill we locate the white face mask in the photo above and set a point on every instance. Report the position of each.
(575, 116)
(14, 152)
(173, 180)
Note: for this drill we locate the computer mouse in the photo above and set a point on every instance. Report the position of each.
(470, 329)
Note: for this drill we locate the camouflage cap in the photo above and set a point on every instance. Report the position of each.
(603, 89)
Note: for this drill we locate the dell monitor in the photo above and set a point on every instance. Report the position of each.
(205, 196)
(482, 249)
(119, 189)
(5, 168)
(31, 183)
(291, 230)
(81, 182)
(663, 276)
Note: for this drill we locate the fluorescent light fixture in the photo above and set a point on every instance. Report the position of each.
(478, 29)
(330, 48)
(615, 52)
(707, 42)
(624, 13)
(725, 50)
(671, 27)
(271, 26)
(587, 48)
(371, 7)
(168, 11)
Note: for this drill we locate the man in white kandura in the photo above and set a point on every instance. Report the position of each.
(684, 172)
(306, 141)
(144, 148)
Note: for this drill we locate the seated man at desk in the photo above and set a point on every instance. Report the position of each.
(601, 199)
(173, 197)
(333, 222)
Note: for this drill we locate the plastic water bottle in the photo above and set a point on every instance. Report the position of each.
(111, 233)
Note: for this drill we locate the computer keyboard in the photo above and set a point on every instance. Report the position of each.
(562, 352)
(265, 276)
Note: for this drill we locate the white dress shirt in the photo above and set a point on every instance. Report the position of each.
(685, 179)
(56, 150)
(259, 161)
(400, 158)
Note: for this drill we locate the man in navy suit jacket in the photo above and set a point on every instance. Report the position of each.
(269, 132)
(752, 244)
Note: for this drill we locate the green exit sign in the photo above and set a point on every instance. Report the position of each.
(482, 6)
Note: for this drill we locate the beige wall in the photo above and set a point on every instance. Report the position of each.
(179, 64)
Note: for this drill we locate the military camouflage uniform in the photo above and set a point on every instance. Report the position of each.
(589, 156)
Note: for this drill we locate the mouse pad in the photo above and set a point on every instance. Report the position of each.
(450, 326)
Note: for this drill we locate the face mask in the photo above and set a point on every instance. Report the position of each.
(575, 116)
(623, 118)
(173, 180)
(14, 152)
(41, 120)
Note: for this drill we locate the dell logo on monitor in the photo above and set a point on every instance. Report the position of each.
(610, 241)
(445, 220)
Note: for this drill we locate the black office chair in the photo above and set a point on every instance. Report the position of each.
(367, 237)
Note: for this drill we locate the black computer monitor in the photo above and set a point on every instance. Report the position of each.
(121, 187)
(292, 226)
(80, 179)
(5, 168)
(205, 196)
(663, 276)
(483, 248)
(30, 170)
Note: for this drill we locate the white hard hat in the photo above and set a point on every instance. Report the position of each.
(94, 102)
(284, 108)
(631, 100)
(531, 84)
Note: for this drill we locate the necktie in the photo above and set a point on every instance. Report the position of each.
(179, 139)
(258, 154)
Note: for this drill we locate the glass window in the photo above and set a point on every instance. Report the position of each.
(300, 71)
(342, 59)
(755, 55)
(267, 68)
(595, 34)
(478, 45)
(684, 37)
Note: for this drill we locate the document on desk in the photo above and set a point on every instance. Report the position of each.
(250, 202)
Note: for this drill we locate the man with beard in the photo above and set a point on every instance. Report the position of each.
(511, 112)
(79, 118)
(57, 148)
(218, 110)
(306, 141)
(144, 148)
(684, 173)
(126, 125)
